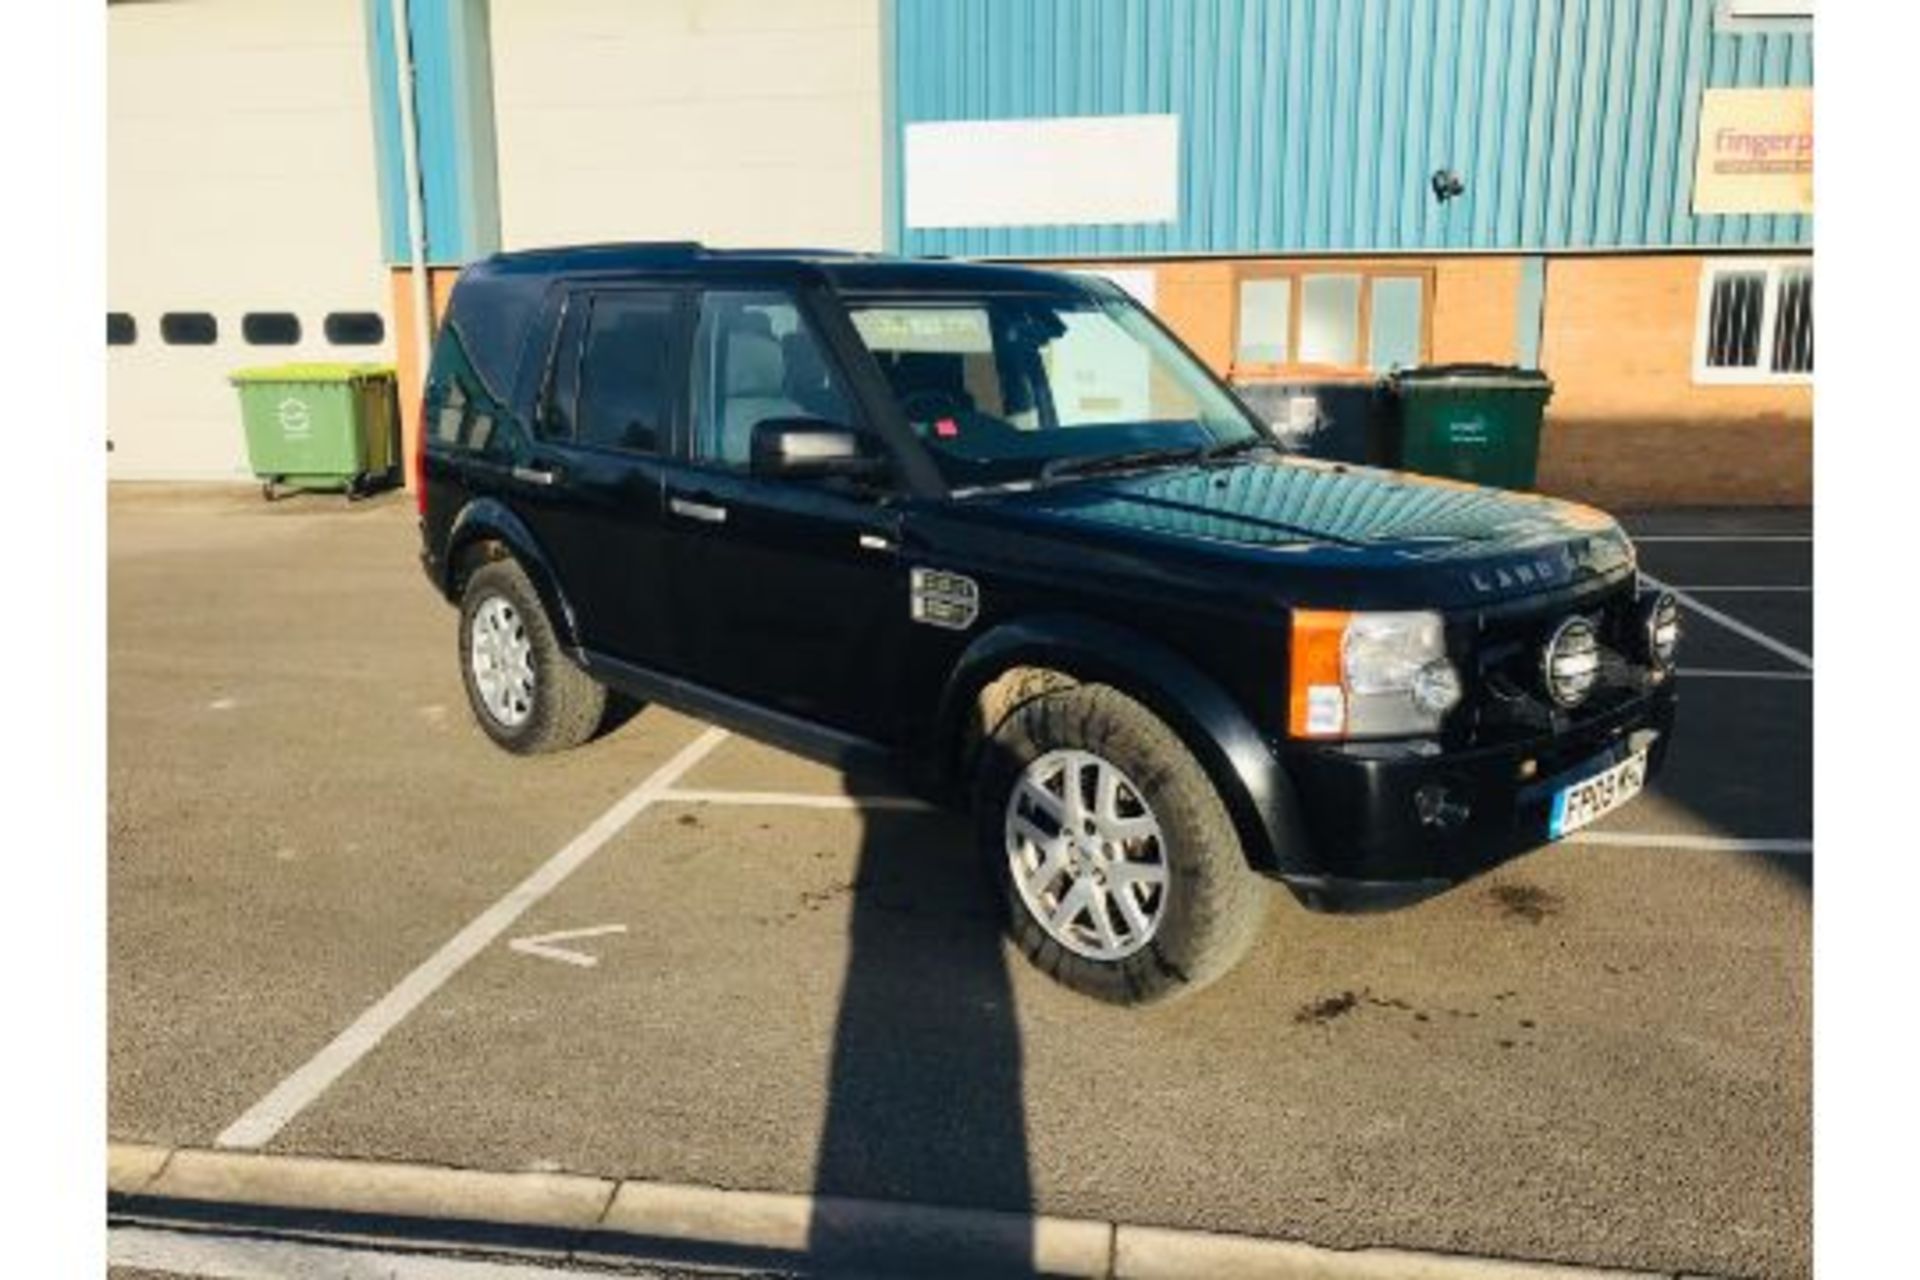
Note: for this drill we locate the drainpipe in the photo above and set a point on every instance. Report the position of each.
(416, 207)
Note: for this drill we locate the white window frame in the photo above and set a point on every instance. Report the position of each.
(1770, 8)
(1760, 375)
(1763, 17)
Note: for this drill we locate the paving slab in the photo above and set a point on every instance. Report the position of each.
(1597, 1055)
(299, 810)
(1720, 521)
(1729, 564)
(1741, 765)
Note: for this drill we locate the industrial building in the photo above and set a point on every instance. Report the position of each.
(1618, 192)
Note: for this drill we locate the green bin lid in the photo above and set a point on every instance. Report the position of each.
(1470, 375)
(315, 371)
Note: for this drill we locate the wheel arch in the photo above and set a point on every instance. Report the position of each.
(486, 530)
(1252, 782)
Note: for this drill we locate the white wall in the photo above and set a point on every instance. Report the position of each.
(735, 122)
(239, 178)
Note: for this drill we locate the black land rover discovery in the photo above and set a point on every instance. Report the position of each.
(999, 528)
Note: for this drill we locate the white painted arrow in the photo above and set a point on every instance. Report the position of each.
(541, 944)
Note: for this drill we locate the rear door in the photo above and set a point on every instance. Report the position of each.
(786, 592)
(592, 485)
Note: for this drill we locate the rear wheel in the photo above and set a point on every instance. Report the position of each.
(1123, 873)
(523, 689)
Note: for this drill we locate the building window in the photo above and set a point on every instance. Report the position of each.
(189, 329)
(1294, 319)
(270, 328)
(355, 328)
(120, 329)
(1756, 321)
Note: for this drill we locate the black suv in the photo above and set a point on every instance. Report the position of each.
(999, 528)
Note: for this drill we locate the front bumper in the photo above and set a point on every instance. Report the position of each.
(1371, 846)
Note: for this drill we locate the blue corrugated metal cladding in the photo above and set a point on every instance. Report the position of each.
(1316, 125)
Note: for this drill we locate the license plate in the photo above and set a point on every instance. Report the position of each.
(1590, 798)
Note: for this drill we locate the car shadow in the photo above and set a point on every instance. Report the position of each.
(925, 1102)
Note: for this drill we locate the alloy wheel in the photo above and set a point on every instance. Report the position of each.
(500, 654)
(1087, 854)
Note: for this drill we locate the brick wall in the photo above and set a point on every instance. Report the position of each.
(407, 363)
(1628, 426)
(1474, 304)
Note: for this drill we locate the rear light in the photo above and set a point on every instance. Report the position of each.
(418, 463)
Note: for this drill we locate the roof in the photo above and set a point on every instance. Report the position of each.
(497, 299)
(843, 268)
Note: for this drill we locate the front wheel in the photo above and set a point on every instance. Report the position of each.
(523, 690)
(1122, 870)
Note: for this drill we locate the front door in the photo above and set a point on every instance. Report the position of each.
(789, 593)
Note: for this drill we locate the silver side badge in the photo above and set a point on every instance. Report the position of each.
(942, 599)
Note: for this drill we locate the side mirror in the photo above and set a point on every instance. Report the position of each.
(809, 448)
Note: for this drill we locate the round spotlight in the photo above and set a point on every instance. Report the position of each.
(1570, 663)
(1660, 630)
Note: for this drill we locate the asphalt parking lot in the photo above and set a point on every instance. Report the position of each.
(319, 872)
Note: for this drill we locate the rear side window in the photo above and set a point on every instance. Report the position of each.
(624, 394)
(460, 412)
(189, 329)
(121, 330)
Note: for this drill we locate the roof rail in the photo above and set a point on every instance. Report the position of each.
(657, 250)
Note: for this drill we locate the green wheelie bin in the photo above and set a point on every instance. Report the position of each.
(320, 426)
(1473, 422)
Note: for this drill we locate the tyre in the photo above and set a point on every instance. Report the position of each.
(523, 690)
(1122, 871)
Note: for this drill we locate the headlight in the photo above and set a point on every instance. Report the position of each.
(1570, 662)
(1660, 630)
(1369, 675)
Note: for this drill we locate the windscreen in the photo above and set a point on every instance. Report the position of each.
(999, 386)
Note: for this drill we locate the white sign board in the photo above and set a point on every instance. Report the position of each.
(1062, 171)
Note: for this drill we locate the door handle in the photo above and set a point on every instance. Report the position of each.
(536, 475)
(697, 510)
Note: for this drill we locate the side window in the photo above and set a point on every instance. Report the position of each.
(553, 416)
(623, 398)
(754, 359)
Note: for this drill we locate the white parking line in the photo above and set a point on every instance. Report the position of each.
(1736, 626)
(1716, 673)
(1756, 588)
(795, 800)
(294, 1094)
(1721, 537)
(1717, 844)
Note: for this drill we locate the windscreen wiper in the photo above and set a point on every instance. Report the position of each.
(1241, 444)
(1087, 464)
